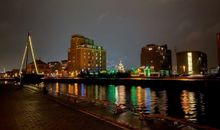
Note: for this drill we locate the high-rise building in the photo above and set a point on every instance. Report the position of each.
(191, 62)
(84, 54)
(218, 47)
(157, 57)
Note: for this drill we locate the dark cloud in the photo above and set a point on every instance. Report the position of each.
(122, 27)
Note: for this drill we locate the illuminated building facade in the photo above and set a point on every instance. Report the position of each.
(84, 54)
(64, 64)
(42, 67)
(120, 67)
(54, 66)
(191, 62)
(156, 57)
(218, 46)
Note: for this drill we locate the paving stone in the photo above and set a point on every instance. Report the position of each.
(22, 109)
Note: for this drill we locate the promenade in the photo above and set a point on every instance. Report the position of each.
(25, 109)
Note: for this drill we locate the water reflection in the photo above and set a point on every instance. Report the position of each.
(162, 102)
(188, 102)
(83, 90)
(120, 95)
(202, 103)
(63, 88)
(53, 89)
(111, 93)
(153, 102)
(137, 98)
(148, 100)
(141, 98)
(133, 96)
(70, 89)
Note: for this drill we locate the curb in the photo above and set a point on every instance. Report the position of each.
(69, 105)
(108, 120)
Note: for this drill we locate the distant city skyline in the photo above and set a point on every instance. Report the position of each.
(121, 27)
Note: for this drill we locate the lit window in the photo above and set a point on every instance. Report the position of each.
(190, 64)
(184, 68)
(150, 49)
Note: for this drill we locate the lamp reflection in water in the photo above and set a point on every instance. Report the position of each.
(83, 90)
(111, 93)
(102, 92)
(162, 102)
(111, 96)
(120, 94)
(148, 99)
(157, 102)
(63, 88)
(57, 90)
(154, 100)
(50, 88)
(75, 88)
(99, 92)
(54, 89)
(188, 103)
(90, 91)
(96, 93)
(133, 96)
(70, 89)
(202, 103)
(141, 99)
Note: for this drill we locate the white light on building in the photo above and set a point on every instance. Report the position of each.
(190, 64)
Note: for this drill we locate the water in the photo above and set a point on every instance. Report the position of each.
(198, 105)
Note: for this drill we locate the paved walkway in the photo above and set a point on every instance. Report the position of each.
(24, 109)
(27, 108)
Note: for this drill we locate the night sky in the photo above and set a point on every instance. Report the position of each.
(122, 27)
